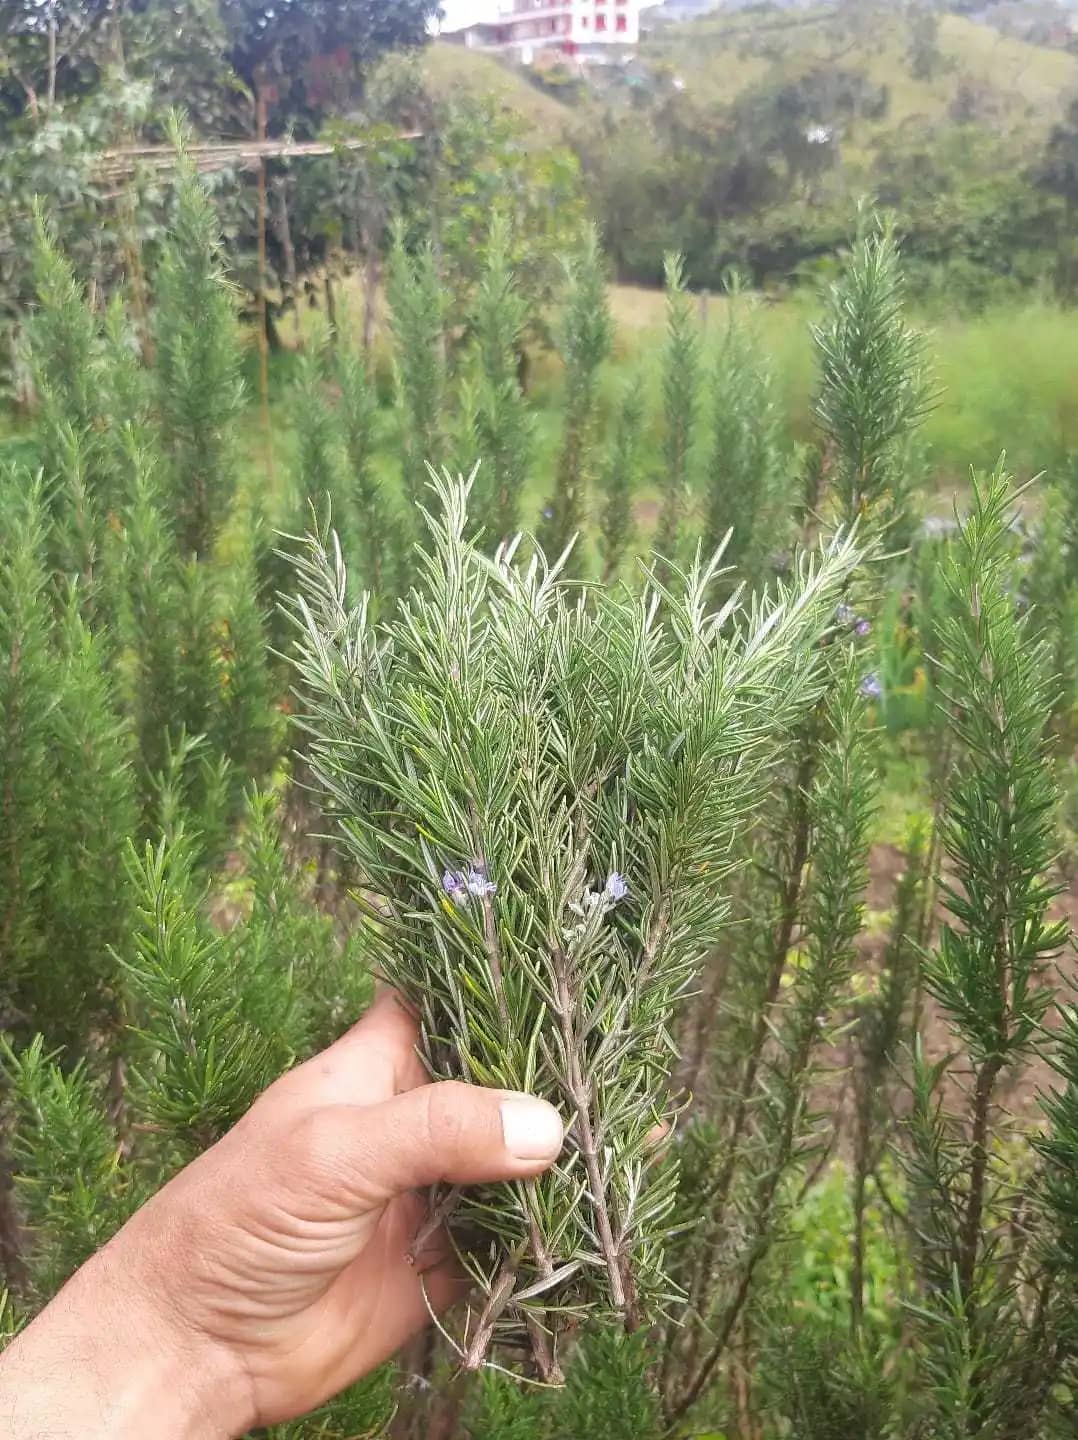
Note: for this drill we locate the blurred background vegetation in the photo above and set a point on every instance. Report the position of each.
(746, 141)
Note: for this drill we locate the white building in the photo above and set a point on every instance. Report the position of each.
(530, 30)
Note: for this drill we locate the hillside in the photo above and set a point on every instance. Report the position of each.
(719, 57)
(451, 70)
(747, 138)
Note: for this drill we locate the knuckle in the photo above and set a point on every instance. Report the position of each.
(450, 1108)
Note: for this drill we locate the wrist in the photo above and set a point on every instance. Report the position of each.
(107, 1359)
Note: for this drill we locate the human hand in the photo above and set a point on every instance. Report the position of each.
(273, 1271)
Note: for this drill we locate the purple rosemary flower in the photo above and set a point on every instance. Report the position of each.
(548, 513)
(862, 628)
(477, 882)
(871, 687)
(845, 614)
(617, 887)
(454, 885)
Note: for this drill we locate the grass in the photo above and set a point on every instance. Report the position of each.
(1010, 382)
(450, 69)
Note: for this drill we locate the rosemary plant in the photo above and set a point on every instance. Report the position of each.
(806, 881)
(882, 1024)
(621, 475)
(542, 794)
(874, 389)
(986, 1341)
(504, 425)
(418, 304)
(681, 381)
(744, 466)
(198, 355)
(585, 340)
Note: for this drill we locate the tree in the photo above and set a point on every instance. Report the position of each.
(278, 49)
(50, 52)
(1058, 174)
(925, 56)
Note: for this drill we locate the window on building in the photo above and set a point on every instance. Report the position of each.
(623, 23)
(600, 22)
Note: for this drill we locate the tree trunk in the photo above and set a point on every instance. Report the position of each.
(372, 279)
(331, 302)
(284, 235)
(263, 338)
(50, 94)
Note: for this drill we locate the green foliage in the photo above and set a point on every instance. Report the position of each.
(62, 342)
(86, 902)
(585, 340)
(745, 460)
(11, 1318)
(681, 380)
(378, 528)
(363, 1412)
(73, 1186)
(582, 827)
(148, 620)
(27, 682)
(982, 1352)
(826, 1388)
(779, 1003)
(503, 421)
(882, 1022)
(320, 461)
(600, 815)
(500, 1408)
(417, 300)
(608, 1394)
(302, 983)
(873, 388)
(199, 390)
(621, 477)
(997, 827)
(63, 890)
(200, 1061)
(250, 730)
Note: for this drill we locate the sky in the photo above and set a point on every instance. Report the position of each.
(465, 12)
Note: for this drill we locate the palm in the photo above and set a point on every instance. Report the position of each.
(302, 1270)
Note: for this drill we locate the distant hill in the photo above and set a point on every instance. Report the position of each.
(1012, 81)
(747, 136)
(717, 56)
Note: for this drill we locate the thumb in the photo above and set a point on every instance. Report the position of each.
(449, 1131)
